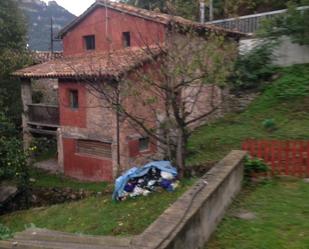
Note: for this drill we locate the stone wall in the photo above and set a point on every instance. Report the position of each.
(191, 220)
(238, 103)
(49, 90)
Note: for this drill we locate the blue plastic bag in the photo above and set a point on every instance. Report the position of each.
(136, 172)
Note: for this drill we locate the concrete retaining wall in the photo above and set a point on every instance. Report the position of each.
(190, 221)
(285, 54)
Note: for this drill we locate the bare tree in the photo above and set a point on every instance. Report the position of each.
(165, 90)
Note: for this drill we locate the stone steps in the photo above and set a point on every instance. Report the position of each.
(47, 239)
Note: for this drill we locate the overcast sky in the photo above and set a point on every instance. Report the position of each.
(76, 7)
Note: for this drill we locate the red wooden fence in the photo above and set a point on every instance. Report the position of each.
(284, 157)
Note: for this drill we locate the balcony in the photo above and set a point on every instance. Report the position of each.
(43, 119)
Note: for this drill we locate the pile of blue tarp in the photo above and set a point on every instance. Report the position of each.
(143, 180)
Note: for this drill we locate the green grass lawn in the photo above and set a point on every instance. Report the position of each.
(286, 101)
(98, 215)
(282, 218)
(46, 180)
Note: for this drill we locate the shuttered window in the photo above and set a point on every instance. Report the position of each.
(94, 148)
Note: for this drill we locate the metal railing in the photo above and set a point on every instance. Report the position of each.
(249, 23)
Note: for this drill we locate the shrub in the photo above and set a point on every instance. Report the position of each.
(253, 68)
(269, 124)
(294, 23)
(46, 147)
(255, 165)
(5, 232)
(14, 160)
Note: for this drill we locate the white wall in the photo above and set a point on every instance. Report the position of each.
(286, 54)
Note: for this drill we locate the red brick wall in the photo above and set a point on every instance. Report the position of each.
(68, 116)
(134, 148)
(84, 167)
(142, 31)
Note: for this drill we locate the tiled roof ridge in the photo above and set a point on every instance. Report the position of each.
(152, 47)
(154, 16)
(93, 64)
(161, 17)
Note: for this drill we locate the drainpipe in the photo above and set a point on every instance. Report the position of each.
(118, 127)
(202, 11)
(118, 139)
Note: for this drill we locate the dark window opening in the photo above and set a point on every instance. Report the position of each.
(144, 144)
(126, 38)
(89, 42)
(94, 148)
(74, 99)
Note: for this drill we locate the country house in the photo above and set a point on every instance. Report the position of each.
(94, 143)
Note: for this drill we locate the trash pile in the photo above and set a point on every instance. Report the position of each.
(145, 180)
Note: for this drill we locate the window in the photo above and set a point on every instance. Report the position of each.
(143, 144)
(73, 95)
(89, 42)
(126, 39)
(94, 148)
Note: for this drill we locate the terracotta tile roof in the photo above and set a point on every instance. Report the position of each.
(44, 56)
(150, 15)
(105, 65)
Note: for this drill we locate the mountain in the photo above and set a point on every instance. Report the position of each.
(38, 15)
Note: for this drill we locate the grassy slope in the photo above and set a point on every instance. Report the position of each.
(97, 215)
(282, 219)
(45, 180)
(212, 142)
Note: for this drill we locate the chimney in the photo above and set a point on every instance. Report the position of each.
(202, 11)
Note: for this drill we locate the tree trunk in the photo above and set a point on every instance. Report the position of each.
(180, 153)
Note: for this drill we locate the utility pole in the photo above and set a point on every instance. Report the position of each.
(51, 35)
(202, 11)
(211, 10)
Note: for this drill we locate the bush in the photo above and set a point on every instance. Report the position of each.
(253, 68)
(14, 161)
(269, 124)
(255, 165)
(5, 232)
(46, 148)
(294, 23)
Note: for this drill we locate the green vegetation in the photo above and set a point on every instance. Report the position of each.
(294, 23)
(46, 148)
(5, 233)
(254, 165)
(97, 215)
(254, 68)
(222, 8)
(281, 209)
(13, 56)
(45, 180)
(285, 101)
(14, 165)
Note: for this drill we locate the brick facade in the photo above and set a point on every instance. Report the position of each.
(114, 144)
(109, 36)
